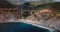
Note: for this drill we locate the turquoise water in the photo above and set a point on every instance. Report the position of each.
(20, 27)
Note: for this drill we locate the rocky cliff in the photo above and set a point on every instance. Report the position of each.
(45, 17)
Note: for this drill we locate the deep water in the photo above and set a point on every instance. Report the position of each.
(20, 27)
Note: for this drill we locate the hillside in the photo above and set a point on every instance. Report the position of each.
(47, 14)
(5, 4)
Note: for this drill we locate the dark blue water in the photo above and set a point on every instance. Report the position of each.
(20, 27)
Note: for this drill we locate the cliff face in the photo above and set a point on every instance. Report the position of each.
(46, 18)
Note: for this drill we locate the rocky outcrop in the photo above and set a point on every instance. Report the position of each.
(46, 18)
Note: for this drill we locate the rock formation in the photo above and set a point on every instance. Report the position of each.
(46, 18)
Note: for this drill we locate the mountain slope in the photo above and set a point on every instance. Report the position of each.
(4, 3)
